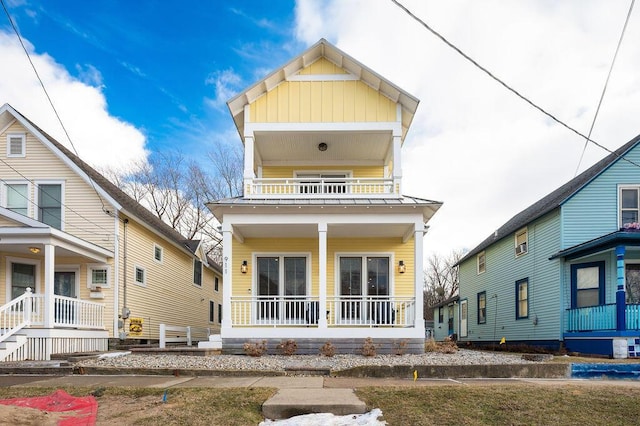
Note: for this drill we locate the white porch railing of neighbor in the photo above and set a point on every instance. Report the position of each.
(15, 315)
(304, 311)
(181, 334)
(321, 188)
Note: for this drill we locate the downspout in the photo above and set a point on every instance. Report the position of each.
(125, 309)
(116, 276)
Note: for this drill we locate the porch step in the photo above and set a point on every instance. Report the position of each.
(214, 342)
(294, 402)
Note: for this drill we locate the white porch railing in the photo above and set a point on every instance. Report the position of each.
(181, 334)
(305, 311)
(15, 315)
(321, 188)
(76, 313)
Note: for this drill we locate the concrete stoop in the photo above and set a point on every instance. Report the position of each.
(294, 402)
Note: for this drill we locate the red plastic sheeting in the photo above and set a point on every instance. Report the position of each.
(85, 408)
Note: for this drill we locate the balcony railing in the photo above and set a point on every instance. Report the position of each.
(321, 188)
(305, 311)
(600, 318)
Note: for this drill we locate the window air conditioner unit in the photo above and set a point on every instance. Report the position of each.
(521, 248)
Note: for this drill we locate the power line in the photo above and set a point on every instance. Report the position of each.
(506, 86)
(44, 89)
(604, 89)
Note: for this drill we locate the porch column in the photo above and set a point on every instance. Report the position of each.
(49, 269)
(418, 274)
(227, 275)
(248, 174)
(397, 164)
(621, 302)
(322, 274)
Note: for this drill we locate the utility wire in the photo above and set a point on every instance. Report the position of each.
(44, 89)
(604, 89)
(506, 86)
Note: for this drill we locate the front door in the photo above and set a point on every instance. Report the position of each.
(64, 284)
(373, 285)
(282, 288)
(463, 318)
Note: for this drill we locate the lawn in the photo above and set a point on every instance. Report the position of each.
(509, 404)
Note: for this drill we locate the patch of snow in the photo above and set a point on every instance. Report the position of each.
(327, 419)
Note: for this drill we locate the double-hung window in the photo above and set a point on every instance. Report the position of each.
(587, 284)
(522, 299)
(50, 204)
(197, 272)
(17, 197)
(629, 205)
(482, 307)
(481, 261)
(521, 242)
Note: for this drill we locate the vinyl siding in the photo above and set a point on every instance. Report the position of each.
(169, 295)
(593, 211)
(403, 284)
(284, 172)
(322, 101)
(83, 215)
(503, 269)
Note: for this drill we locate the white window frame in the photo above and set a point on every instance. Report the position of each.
(280, 256)
(482, 254)
(155, 248)
(144, 276)
(36, 214)
(5, 192)
(348, 174)
(97, 266)
(26, 261)
(23, 152)
(620, 189)
(363, 256)
(518, 233)
(71, 268)
(193, 273)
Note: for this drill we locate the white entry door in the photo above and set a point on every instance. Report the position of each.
(463, 318)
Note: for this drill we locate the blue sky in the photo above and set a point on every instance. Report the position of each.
(133, 77)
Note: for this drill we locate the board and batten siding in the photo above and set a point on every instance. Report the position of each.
(503, 269)
(83, 214)
(287, 172)
(322, 101)
(593, 211)
(403, 284)
(169, 294)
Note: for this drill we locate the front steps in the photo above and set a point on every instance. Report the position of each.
(11, 345)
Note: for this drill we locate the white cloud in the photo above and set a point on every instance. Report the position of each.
(474, 145)
(101, 139)
(226, 84)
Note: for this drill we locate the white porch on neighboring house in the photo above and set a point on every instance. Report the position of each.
(38, 322)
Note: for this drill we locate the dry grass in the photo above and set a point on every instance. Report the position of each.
(446, 347)
(494, 404)
(505, 405)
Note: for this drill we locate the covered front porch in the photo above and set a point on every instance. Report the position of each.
(45, 309)
(603, 316)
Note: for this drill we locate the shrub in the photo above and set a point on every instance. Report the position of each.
(328, 349)
(446, 347)
(255, 348)
(288, 347)
(400, 347)
(368, 348)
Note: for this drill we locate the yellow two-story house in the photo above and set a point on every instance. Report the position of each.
(323, 246)
(81, 262)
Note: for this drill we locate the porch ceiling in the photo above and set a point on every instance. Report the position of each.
(369, 230)
(300, 146)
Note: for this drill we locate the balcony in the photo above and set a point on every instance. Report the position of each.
(600, 318)
(321, 188)
(304, 311)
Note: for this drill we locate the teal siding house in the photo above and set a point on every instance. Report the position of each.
(564, 272)
(446, 319)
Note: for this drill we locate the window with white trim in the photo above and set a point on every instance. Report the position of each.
(157, 253)
(197, 272)
(521, 241)
(140, 276)
(16, 145)
(50, 204)
(629, 205)
(16, 197)
(98, 275)
(481, 262)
